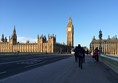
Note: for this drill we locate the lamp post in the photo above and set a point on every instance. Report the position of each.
(100, 38)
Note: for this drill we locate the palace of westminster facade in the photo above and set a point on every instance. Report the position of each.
(43, 44)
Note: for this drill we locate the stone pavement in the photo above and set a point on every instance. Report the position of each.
(66, 71)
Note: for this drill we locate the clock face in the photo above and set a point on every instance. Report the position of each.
(69, 29)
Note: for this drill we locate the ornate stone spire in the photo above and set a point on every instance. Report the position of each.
(70, 19)
(5, 40)
(37, 36)
(70, 22)
(14, 36)
(14, 31)
(2, 39)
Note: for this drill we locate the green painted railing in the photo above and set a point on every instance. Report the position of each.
(110, 61)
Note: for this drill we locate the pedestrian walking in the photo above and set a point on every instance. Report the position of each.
(96, 54)
(79, 55)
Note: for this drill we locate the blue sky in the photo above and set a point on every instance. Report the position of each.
(33, 17)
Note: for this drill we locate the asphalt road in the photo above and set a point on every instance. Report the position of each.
(11, 65)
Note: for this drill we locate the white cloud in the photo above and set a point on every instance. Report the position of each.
(24, 39)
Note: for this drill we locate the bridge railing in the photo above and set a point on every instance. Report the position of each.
(110, 61)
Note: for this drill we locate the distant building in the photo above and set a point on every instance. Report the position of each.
(70, 33)
(109, 45)
(43, 44)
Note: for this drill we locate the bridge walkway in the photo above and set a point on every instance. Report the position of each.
(67, 71)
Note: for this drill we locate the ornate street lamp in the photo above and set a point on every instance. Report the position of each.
(100, 38)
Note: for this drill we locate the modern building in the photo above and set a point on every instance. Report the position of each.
(108, 46)
(43, 44)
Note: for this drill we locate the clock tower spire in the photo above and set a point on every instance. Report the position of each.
(70, 33)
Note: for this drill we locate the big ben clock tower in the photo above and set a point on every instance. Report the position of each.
(70, 33)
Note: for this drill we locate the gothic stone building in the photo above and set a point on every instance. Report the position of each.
(109, 46)
(43, 44)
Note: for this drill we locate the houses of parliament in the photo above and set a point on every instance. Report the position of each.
(43, 44)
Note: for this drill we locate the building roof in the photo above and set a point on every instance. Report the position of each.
(105, 41)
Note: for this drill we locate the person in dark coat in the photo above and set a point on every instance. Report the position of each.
(79, 55)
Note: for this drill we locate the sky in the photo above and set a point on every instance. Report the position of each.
(33, 17)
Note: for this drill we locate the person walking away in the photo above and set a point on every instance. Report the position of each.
(80, 55)
(96, 54)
